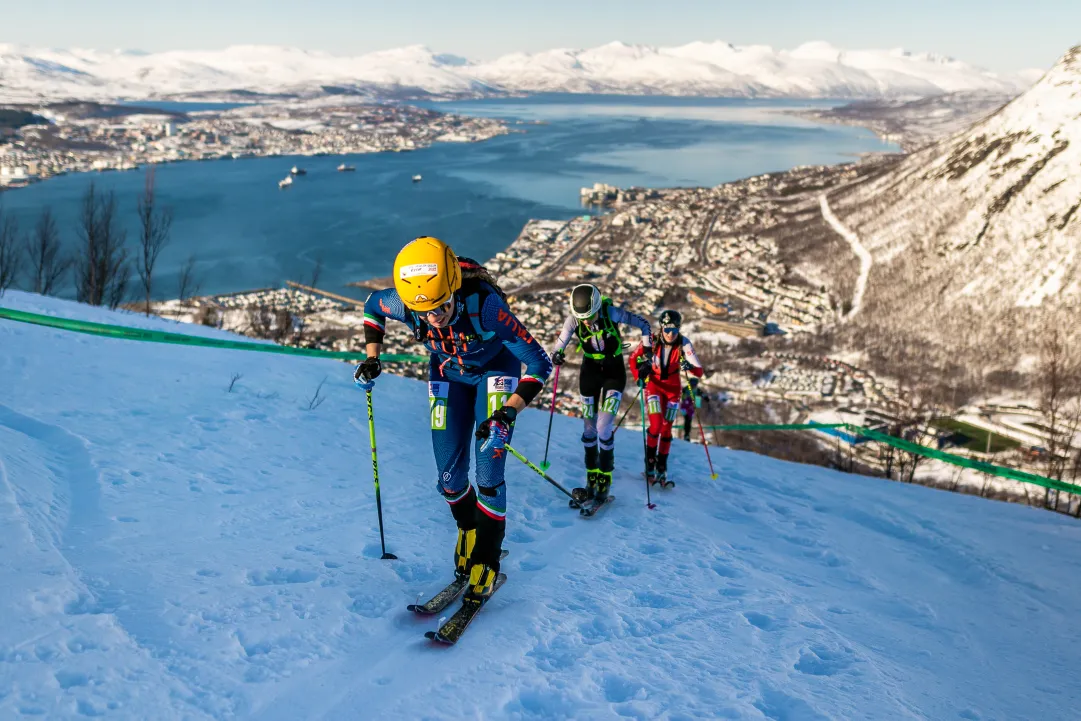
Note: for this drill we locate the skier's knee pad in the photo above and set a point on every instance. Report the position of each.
(491, 491)
(608, 443)
(589, 439)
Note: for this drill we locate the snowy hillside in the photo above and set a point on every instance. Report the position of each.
(717, 68)
(173, 550)
(985, 222)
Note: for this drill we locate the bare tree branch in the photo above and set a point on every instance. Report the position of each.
(187, 282)
(317, 399)
(317, 271)
(155, 224)
(102, 269)
(43, 250)
(10, 258)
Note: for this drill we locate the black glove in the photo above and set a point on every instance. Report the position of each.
(645, 366)
(497, 426)
(366, 373)
(685, 364)
(558, 357)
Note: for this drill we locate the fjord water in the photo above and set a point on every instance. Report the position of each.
(246, 233)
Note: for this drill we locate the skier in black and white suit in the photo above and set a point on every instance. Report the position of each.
(595, 322)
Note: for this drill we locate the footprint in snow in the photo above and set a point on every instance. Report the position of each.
(824, 661)
(759, 620)
(280, 577)
(623, 568)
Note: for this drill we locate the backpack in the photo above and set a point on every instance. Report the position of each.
(608, 328)
(477, 283)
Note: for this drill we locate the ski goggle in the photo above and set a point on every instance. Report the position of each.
(441, 310)
(670, 330)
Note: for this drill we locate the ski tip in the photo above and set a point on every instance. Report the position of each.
(434, 636)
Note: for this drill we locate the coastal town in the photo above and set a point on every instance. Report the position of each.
(717, 255)
(37, 143)
(732, 258)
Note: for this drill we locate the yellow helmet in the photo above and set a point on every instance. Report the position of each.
(426, 274)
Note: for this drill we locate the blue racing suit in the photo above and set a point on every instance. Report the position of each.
(475, 366)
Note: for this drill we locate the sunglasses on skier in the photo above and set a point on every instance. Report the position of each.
(442, 309)
(441, 314)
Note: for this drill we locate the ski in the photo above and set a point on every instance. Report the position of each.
(446, 596)
(587, 511)
(452, 630)
(658, 481)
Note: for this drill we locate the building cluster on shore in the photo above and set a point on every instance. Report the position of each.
(67, 144)
(710, 252)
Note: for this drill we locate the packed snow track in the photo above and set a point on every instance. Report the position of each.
(173, 550)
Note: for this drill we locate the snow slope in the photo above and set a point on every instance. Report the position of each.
(171, 550)
(718, 68)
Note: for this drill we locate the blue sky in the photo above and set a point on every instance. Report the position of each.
(1002, 35)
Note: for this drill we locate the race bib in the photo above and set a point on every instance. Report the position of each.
(438, 391)
(611, 402)
(672, 411)
(500, 389)
(653, 405)
(589, 411)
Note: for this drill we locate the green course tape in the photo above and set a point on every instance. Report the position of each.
(158, 336)
(777, 427)
(910, 447)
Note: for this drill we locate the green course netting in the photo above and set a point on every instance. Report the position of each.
(909, 446)
(775, 427)
(158, 336)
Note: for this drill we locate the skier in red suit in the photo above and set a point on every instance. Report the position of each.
(660, 370)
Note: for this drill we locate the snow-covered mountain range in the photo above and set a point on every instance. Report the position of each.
(981, 232)
(715, 68)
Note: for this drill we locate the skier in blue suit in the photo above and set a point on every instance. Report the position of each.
(475, 376)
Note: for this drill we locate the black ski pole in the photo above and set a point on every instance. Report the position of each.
(539, 472)
(375, 473)
(627, 411)
(555, 388)
(645, 445)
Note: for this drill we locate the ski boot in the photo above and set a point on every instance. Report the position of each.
(463, 549)
(481, 582)
(604, 482)
(651, 465)
(584, 495)
(662, 472)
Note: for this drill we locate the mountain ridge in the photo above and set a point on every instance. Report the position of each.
(976, 237)
(714, 68)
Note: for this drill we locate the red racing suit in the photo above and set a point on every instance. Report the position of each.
(664, 387)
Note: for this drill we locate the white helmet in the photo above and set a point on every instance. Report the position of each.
(585, 301)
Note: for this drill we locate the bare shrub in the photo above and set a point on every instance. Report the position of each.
(154, 223)
(102, 271)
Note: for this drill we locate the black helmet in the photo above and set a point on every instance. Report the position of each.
(585, 301)
(671, 319)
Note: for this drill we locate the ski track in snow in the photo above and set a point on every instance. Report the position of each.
(171, 550)
(857, 247)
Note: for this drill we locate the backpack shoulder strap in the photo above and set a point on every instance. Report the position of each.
(473, 305)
